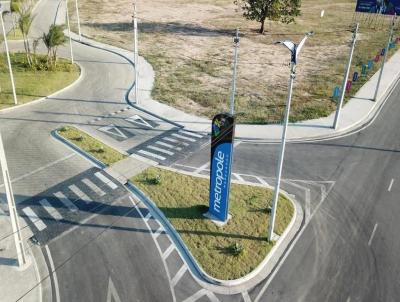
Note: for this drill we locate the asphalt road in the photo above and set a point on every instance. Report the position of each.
(348, 251)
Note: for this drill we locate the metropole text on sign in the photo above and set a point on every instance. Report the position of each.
(223, 129)
(384, 7)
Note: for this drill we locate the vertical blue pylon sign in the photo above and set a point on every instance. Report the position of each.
(223, 129)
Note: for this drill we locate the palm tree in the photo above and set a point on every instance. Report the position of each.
(24, 23)
(52, 40)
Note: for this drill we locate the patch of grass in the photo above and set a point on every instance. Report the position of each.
(94, 147)
(33, 83)
(227, 252)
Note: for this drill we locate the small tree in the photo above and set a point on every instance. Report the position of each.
(53, 39)
(24, 23)
(276, 10)
(15, 8)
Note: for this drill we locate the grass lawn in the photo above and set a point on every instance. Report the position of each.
(183, 199)
(32, 84)
(94, 147)
(189, 44)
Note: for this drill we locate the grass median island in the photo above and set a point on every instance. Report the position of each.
(94, 147)
(33, 83)
(228, 252)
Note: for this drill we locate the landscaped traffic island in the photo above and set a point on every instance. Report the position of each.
(33, 82)
(228, 252)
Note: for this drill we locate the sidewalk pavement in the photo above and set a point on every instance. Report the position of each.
(15, 282)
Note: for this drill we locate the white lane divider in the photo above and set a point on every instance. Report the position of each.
(173, 140)
(107, 181)
(168, 251)
(64, 199)
(53, 273)
(373, 234)
(261, 181)
(148, 216)
(160, 150)
(183, 137)
(38, 223)
(151, 155)
(202, 292)
(158, 232)
(93, 187)
(191, 134)
(50, 209)
(201, 168)
(178, 275)
(168, 146)
(246, 296)
(391, 185)
(79, 193)
(240, 178)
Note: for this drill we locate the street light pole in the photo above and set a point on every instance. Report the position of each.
(8, 57)
(12, 208)
(69, 33)
(294, 50)
(384, 57)
(346, 76)
(236, 42)
(136, 52)
(78, 19)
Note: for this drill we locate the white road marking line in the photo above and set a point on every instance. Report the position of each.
(212, 296)
(391, 184)
(172, 140)
(178, 275)
(160, 150)
(94, 188)
(151, 154)
(112, 294)
(246, 296)
(79, 193)
(196, 296)
(201, 168)
(107, 181)
(191, 134)
(158, 232)
(348, 299)
(237, 143)
(148, 216)
(39, 224)
(168, 251)
(41, 168)
(373, 234)
(308, 203)
(261, 180)
(68, 203)
(240, 178)
(168, 146)
(50, 209)
(183, 137)
(53, 273)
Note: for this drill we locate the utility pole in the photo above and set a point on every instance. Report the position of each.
(12, 208)
(8, 57)
(346, 76)
(294, 50)
(136, 53)
(236, 42)
(69, 33)
(79, 21)
(384, 57)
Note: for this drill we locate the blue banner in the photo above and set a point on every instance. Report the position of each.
(221, 162)
(384, 7)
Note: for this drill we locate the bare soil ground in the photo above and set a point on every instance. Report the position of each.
(189, 44)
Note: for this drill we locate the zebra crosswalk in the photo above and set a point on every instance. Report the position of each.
(170, 146)
(52, 212)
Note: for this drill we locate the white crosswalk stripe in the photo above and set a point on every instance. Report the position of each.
(107, 181)
(39, 224)
(68, 203)
(79, 193)
(172, 140)
(94, 188)
(50, 209)
(160, 150)
(151, 154)
(183, 137)
(168, 146)
(191, 134)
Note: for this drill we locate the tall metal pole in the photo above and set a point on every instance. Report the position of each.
(346, 76)
(79, 21)
(12, 208)
(281, 153)
(384, 57)
(8, 57)
(69, 33)
(136, 53)
(236, 42)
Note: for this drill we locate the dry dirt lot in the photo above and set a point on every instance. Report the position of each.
(189, 44)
